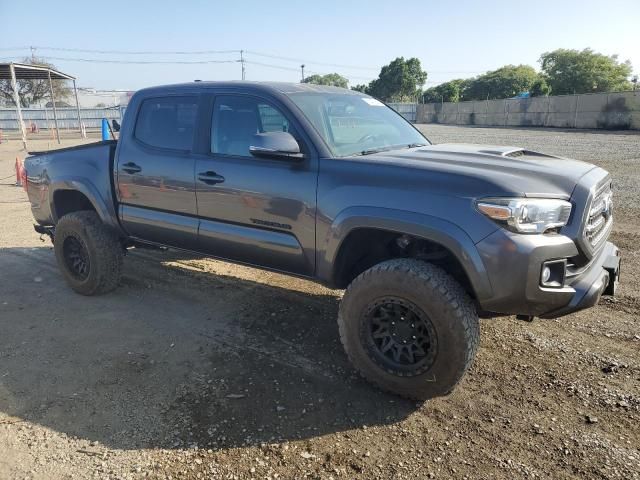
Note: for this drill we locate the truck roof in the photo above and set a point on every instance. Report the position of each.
(270, 87)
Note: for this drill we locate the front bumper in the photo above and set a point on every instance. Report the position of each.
(601, 278)
(514, 263)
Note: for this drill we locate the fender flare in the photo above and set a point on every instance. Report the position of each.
(428, 227)
(81, 184)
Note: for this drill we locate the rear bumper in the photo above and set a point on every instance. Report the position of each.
(514, 264)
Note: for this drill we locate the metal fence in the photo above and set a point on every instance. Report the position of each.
(616, 110)
(613, 111)
(407, 110)
(42, 118)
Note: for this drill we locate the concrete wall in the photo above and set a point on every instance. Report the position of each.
(615, 111)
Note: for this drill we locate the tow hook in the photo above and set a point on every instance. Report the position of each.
(525, 318)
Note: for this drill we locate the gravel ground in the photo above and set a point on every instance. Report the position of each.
(195, 368)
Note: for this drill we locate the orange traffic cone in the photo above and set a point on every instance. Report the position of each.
(21, 174)
(18, 173)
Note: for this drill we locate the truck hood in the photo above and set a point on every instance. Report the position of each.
(490, 170)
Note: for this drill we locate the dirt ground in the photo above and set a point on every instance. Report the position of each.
(195, 368)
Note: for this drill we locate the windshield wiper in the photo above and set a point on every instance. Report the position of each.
(371, 151)
(389, 147)
(416, 145)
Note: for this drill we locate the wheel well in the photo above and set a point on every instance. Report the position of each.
(67, 201)
(363, 248)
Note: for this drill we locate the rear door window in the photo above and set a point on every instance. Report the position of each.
(167, 122)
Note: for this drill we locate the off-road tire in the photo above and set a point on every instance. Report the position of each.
(104, 252)
(448, 307)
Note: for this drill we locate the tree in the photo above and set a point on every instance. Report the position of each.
(33, 91)
(584, 71)
(505, 82)
(540, 88)
(360, 88)
(452, 91)
(399, 81)
(333, 79)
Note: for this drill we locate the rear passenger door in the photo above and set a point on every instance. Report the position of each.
(155, 172)
(255, 210)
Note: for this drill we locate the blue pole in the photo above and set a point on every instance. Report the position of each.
(105, 129)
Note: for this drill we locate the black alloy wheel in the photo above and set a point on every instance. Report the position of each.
(400, 336)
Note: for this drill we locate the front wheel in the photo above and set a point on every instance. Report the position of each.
(89, 254)
(409, 328)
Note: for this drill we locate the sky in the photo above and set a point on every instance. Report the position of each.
(354, 38)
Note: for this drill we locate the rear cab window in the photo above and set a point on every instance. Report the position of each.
(167, 123)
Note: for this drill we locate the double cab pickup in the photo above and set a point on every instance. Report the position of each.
(334, 186)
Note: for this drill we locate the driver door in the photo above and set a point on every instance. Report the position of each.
(253, 210)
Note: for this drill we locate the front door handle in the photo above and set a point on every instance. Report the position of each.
(210, 178)
(131, 168)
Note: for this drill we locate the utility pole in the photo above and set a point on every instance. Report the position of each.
(33, 57)
(302, 70)
(242, 62)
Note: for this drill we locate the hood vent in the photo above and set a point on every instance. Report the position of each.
(505, 152)
(515, 153)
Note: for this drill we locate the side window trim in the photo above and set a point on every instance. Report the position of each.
(192, 148)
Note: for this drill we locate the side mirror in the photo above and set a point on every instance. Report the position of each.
(275, 145)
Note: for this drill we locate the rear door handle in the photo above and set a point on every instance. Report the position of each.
(210, 178)
(131, 168)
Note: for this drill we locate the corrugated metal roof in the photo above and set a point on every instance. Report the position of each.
(31, 72)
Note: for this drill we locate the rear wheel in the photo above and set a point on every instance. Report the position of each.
(89, 254)
(409, 328)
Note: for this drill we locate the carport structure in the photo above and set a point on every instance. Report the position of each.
(21, 71)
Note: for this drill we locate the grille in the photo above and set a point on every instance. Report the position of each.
(600, 216)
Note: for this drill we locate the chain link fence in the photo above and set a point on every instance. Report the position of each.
(42, 118)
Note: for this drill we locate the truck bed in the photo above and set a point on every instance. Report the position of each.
(67, 171)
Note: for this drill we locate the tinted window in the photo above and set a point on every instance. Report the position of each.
(167, 122)
(237, 119)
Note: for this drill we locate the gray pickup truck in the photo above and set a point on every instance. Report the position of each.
(334, 186)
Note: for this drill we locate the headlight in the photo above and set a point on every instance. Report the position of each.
(526, 215)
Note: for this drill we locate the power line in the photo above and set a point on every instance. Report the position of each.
(294, 69)
(187, 52)
(217, 52)
(243, 60)
(298, 60)
(126, 52)
(140, 62)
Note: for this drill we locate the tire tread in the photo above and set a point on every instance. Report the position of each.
(421, 274)
(110, 256)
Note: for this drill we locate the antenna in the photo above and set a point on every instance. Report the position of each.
(242, 62)
(302, 69)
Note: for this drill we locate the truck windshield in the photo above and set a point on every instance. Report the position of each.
(353, 124)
